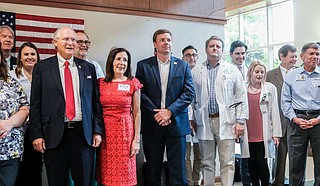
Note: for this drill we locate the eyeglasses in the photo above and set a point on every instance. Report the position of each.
(194, 55)
(86, 42)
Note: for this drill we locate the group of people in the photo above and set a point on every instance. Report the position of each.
(63, 109)
(52, 111)
(268, 113)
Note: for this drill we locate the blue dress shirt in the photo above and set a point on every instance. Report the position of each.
(301, 91)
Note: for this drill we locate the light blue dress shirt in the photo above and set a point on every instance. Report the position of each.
(301, 91)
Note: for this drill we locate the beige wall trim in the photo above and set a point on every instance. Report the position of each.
(121, 10)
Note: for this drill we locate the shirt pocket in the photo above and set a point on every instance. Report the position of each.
(316, 94)
(229, 82)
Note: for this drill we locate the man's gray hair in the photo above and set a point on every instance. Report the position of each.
(3, 27)
(310, 45)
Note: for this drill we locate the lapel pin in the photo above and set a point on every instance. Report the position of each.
(175, 63)
(79, 66)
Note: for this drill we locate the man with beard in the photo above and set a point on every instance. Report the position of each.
(81, 50)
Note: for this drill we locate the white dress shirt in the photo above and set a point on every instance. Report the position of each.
(164, 68)
(75, 83)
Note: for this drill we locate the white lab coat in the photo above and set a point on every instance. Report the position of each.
(229, 89)
(270, 119)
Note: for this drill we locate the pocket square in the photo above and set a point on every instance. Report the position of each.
(89, 77)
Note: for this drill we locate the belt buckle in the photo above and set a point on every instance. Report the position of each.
(308, 112)
(71, 124)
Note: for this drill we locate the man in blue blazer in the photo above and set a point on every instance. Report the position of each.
(167, 91)
(67, 141)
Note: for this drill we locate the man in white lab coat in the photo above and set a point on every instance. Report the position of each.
(220, 111)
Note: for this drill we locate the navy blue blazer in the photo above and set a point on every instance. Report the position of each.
(13, 62)
(179, 95)
(48, 103)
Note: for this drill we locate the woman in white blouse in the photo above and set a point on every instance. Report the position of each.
(31, 165)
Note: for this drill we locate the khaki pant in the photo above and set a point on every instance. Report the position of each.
(193, 171)
(226, 150)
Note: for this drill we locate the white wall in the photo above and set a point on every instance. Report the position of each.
(132, 32)
(306, 22)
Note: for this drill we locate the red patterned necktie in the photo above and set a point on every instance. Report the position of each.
(70, 106)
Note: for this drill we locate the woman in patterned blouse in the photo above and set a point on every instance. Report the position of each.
(14, 110)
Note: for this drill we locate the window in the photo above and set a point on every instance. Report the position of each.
(264, 30)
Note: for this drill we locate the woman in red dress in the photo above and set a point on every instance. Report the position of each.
(120, 100)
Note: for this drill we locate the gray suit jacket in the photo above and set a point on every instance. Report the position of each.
(275, 77)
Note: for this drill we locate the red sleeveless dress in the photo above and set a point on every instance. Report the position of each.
(115, 167)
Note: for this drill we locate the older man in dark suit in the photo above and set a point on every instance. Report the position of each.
(167, 91)
(66, 121)
(7, 39)
(288, 56)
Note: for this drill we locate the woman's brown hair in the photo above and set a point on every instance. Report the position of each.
(109, 65)
(18, 70)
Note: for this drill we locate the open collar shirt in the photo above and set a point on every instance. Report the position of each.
(301, 91)
(212, 74)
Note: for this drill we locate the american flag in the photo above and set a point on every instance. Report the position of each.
(37, 29)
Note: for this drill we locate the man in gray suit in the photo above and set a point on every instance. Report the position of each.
(288, 56)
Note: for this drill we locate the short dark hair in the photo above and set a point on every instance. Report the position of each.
(189, 47)
(237, 44)
(109, 65)
(310, 45)
(284, 50)
(214, 38)
(158, 32)
(18, 70)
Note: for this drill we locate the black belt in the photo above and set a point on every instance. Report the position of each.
(72, 124)
(214, 115)
(307, 112)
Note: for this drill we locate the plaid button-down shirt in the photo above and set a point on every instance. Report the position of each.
(212, 72)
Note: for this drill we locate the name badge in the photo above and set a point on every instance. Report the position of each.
(301, 77)
(123, 87)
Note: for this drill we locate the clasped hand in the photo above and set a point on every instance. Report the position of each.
(306, 124)
(163, 116)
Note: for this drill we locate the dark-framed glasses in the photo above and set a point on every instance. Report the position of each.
(86, 42)
(194, 55)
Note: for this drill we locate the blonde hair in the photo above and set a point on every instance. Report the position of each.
(253, 65)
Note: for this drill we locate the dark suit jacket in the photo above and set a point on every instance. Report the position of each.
(275, 77)
(13, 61)
(179, 95)
(48, 102)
